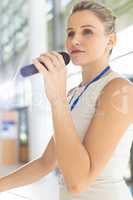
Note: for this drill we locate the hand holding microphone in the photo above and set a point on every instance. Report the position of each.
(29, 70)
(52, 67)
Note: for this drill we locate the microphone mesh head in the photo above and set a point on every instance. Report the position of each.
(66, 57)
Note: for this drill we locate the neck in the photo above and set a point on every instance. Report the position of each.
(89, 72)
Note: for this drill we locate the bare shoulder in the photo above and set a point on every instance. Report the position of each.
(117, 95)
(119, 82)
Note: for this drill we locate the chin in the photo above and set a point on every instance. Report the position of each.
(79, 62)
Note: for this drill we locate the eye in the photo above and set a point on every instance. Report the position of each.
(87, 32)
(71, 34)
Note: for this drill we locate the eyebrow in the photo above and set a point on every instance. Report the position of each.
(83, 26)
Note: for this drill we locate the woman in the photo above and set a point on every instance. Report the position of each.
(90, 140)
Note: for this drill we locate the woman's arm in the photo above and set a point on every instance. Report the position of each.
(81, 163)
(32, 171)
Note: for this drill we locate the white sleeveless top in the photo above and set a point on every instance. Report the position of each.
(110, 185)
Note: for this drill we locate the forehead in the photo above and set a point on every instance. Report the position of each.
(85, 17)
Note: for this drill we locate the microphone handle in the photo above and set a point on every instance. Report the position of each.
(29, 70)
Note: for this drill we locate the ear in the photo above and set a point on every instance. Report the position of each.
(112, 40)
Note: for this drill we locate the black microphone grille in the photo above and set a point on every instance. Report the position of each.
(66, 57)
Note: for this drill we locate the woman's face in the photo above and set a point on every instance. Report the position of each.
(86, 39)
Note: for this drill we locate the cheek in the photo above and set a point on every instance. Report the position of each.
(95, 45)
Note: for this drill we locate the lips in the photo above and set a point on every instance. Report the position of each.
(76, 51)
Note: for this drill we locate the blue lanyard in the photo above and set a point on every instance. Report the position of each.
(95, 79)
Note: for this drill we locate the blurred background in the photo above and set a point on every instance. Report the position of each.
(28, 28)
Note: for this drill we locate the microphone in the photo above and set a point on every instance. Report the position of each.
(29, 70)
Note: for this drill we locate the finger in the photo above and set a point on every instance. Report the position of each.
(59, 57)
(42, 70)
(47, 62)
(41, 62)
(53, 58)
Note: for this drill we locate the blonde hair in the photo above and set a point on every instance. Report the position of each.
(104, 14)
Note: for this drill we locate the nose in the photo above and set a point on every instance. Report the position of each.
(76, 40)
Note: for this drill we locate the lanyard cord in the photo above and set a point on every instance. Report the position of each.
(95, 79)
